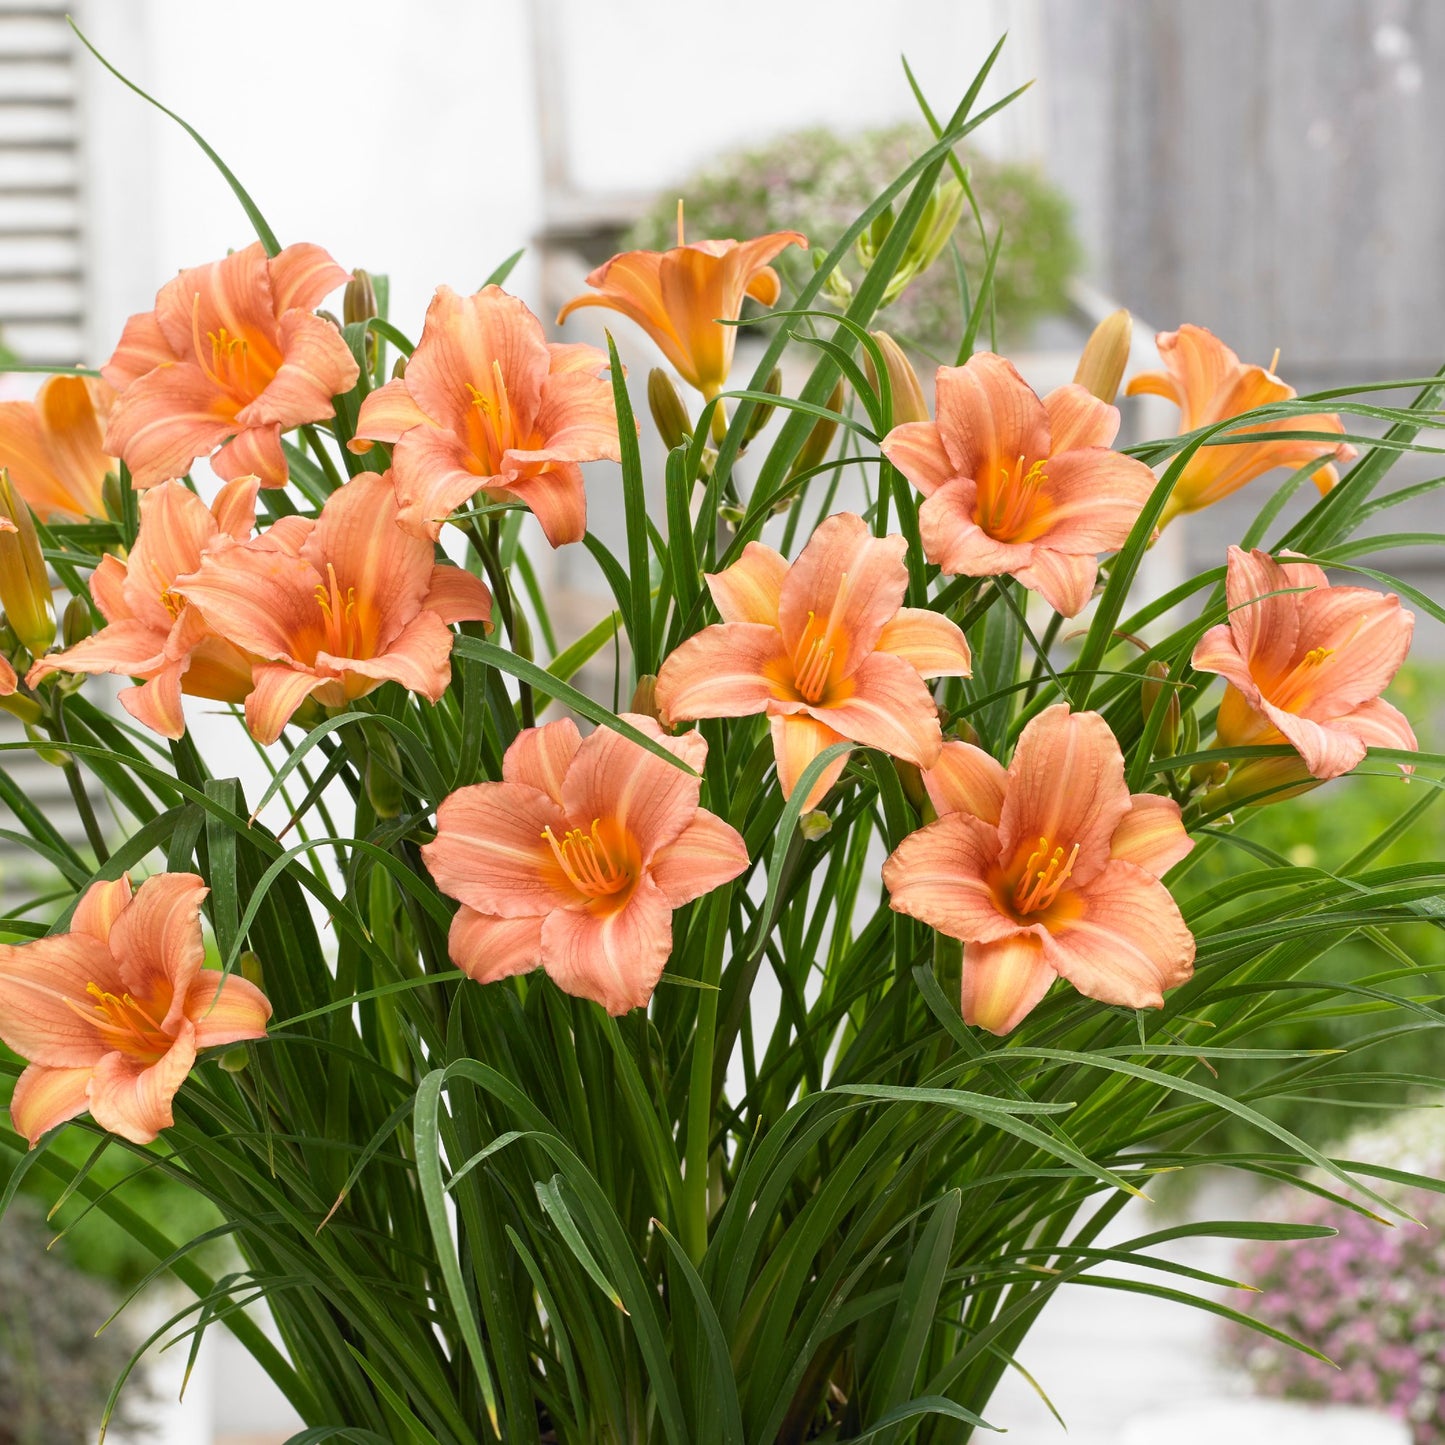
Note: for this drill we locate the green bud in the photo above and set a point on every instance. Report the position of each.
(24, 581)
(1156, 677)
(762, 413)
(1105, 355)
(669, 413)
(25, 708)
(112, 497)
(383, 775)
(644, 697)
(249, 966)
(904, 387)
(731, 514)
(56, 757)
(234, 1061)
(815, 825)
(821, 437)
(358, 301)
(76, 624)
(398, 368)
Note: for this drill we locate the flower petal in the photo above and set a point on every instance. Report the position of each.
(965, 779)
(1127, 943)
(164, 421)
(303, 275)
(1078, 418)
(225, 1009)
(455, 595)
(490, 852)
(916, 449)
(387, 414)
(1379, 724)
(1003, 981)
(1151, 835)
(1093, 498)
(487, 948)
(255, 451)
(749, 590)
(45, 1097)
(956, 543)
(613, 958)
(989, 416)
(1065, 581)
(234, 508)
(279, 690)
(157, 942)
(889, 708)
(38, 983)
(419, 658)
(942, 875)
(553, 492)
(316, 365)
(99, 906)
(1329, 749)
(930, 643)
(133, 1099)
(539, 757)
(797, 740)
(732, 669)
(705, 855)
(434, 473)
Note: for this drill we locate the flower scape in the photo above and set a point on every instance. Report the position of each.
(747, 1063)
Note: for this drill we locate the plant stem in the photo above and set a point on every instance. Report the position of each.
(76, 784)
(699, 1097)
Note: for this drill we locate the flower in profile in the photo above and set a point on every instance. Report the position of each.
(52, 447)
(1049, 867)
(1305, 664)
(1017, 485)
(24, 577)
(332, 609)
(150, 632)
(489, 405)
(233, 353)
(684, 298)
(577, 859)
(825, 648)
(110, 1016)
(1209, 384)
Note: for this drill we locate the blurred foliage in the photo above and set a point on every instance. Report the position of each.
(55, 1372)
(817, 182)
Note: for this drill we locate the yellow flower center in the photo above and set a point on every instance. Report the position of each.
(124, 1022)
(584, 857)
(814, 655)
(173, 602)
(1046, 871)
(342, 627)
(1008, 506)
(496, 421)
(229, 367)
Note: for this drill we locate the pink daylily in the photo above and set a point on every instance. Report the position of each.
(1047, 867)
(577, 859)
(111, 1015)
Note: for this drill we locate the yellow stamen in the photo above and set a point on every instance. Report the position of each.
(583, 857)
(1316, 655)
(343, 636)
(1014, 498)
(1045, 873)
(1274, 361)
(680, 241)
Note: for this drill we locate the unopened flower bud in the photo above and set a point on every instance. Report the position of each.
(112, 498)
(730, 514)
(234, 1060)
(815, 825)
(76, 624)
(249, 966)
(383, 775)
(965, 732)
(398, 369)
(911, 778)
(903, 384)
(762, 412)
(1156, 676)
(669, 414)
(644, 697)
(24, 582)
(1105, 355)
(358, 301)
(821, 437)
(17, 704)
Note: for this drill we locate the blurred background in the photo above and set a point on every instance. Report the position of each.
(1269, 170)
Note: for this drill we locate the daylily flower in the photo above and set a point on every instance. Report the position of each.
(52, 448)
(576, 860)
(824, 647)
(25, 594)
(1017, 485)
(8, 681)
(233, 353)
(1305, 667)
(1209, 383)
(683, 297)
(150, 632)
(1049, 867)
(332, 609)
(111, 1015)
(489, 404)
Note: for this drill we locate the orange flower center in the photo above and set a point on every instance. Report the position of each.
(591, 867)
(814, 655)
(1009, 502)
(1045, 873)
(124, 1023)
(228, 360)
(341, 620)
(496, 426)
(173, 602)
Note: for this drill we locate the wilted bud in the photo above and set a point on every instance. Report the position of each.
(669, 413)
(903, 384)
(112, 497)
(644, 697)
(77, 624)
(762, 413)
(1106, 354)
(1156, 677)
(249, 967)
(358, 301)
(24, 582)
(383, 775)
(821, 437)
(815, 825)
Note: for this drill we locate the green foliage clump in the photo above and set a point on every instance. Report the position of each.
(817, 182)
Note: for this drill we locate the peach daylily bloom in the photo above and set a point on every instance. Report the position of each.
(683, 297)
(577, 859)
(150, 632)
(1209, 383)
(1305, 668)
(332, 609)
(110, 1016)
(233, 353)
(8, 681)
(489, 404)
(1017, 485)
(1049, 867)
(52, 447)
(824, 647)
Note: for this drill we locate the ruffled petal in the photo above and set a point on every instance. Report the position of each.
(916, 449)
(1092, 499)
(943, 876)
(157, 942)
(1151, 835)
(254, 452)
(133, 1099)
(750, 590)
(165, 420)
(705, 855)
(554, 493)
(927, 641)
(225, 1009)
(797, 740)
(100, 905)
(539, 757)
(1003, 981)
(965, 779)
(487, 948)
(455, 595)
(1078, 418)
(39, 981)
(317, 365)
(45, 1097)
(1065, 581)
(989, 416)
(889, 708)
(732, 669)
(303, 275)
(387, 414)
(278, 691)
(615, 958)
